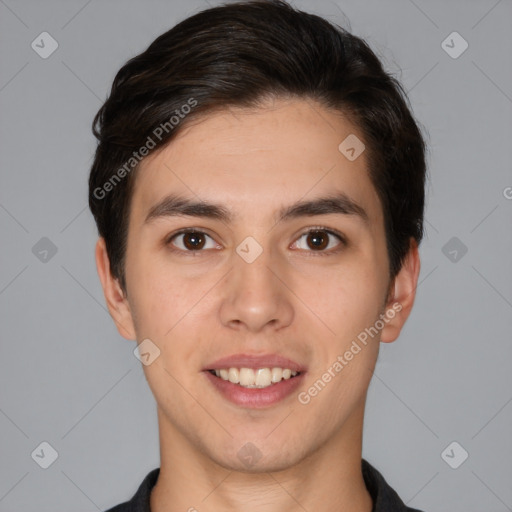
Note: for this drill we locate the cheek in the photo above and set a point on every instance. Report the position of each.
(158, 297)
(351, 297)
(350, 305)
(174, 311)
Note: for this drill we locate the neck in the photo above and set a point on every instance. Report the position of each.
(329, 479)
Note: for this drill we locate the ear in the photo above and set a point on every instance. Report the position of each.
(401, 294)
(117, 302)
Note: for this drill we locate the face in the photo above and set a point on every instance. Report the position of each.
(257, 288)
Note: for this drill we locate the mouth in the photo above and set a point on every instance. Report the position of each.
(255, 381)
(259, 378)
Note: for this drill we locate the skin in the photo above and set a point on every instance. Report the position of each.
(294, 300)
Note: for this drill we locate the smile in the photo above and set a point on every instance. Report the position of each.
(255, 378)
(255, 381)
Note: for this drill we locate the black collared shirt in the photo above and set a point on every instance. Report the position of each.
(385, 499)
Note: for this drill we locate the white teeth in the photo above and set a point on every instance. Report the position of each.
(277, 374)
(259, 378)
(246, 376)
(233, 375)
(263, 377)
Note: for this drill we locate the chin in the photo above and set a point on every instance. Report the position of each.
(266, 464)
(259, 455)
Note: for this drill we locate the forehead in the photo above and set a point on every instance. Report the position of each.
(256, 160)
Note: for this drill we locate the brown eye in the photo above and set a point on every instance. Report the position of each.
(193, 241)
(190, 241)
(318, 240)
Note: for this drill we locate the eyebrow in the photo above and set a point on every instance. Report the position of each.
(174, 206)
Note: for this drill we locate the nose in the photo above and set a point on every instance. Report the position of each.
(256, 295)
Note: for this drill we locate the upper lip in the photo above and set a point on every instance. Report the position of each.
(254, 362)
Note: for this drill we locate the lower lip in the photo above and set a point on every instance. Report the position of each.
(256, 398)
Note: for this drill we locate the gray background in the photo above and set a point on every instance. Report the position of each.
(68, 378)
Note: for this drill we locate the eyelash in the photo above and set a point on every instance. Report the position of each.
(337, 234)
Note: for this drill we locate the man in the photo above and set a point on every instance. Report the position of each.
(258, 188)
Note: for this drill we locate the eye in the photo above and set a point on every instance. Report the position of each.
(318, 239)
(192, 240)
